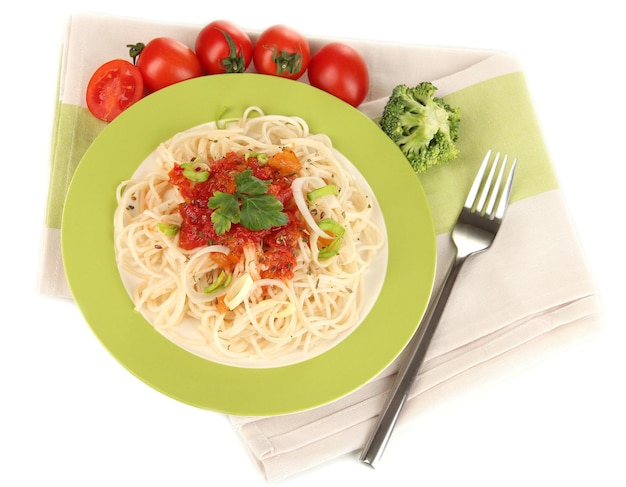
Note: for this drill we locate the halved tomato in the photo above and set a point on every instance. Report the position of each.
(112, 88)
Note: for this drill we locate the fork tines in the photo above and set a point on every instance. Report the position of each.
(490, 193)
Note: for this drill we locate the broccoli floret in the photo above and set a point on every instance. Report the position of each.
(424, 126)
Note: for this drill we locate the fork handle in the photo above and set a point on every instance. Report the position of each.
(416, 350)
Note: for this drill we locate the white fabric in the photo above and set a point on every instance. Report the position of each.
(471, 350)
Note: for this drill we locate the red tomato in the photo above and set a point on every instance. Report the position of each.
(113, 87)
(341, 71)
(222, 47)
(165, 61)
(281, 51)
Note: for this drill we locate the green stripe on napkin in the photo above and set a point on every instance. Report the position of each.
(493, 115)
(74, 130)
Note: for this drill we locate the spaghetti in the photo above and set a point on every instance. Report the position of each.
(247, 241)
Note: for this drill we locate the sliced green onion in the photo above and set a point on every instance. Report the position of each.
(260, 156)
(229, 277)
(330, 250)
(327, 190)
(169, 229)
(334, 227)
(330, 225)
(219, 123)
(222, 281)
(196, 176)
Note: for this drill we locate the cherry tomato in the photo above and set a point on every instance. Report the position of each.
(222, 47)
(112, 88)
(340, 70)
(164, 61)
(281, 51)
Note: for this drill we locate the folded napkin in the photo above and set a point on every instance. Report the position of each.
(534, 281)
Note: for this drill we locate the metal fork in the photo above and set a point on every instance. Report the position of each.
(474, 232)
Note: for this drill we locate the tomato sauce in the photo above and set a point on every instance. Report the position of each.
(278, 245)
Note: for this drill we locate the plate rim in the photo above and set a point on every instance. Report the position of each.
(255, 392)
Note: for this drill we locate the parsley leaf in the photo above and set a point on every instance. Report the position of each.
(247, 184)
(262, 212)
(250, 205)
(227, 211)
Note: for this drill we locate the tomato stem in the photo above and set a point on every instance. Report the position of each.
(291, 62)
(234, 63)
(135, 50)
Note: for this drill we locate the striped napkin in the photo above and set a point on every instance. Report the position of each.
(545, 299)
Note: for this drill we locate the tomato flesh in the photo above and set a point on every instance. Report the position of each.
(278, 244)
(112, 88)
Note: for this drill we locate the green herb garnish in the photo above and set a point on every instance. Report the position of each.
(169, 229)
(222, 282)
(191, 173)
(329, 189)
(335, 228)
(250, 205)
(261, 157)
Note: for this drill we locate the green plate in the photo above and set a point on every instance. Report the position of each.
(89, 259)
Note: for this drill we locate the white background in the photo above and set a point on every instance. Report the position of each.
(73, 416)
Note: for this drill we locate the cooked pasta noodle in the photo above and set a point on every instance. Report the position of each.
(250, 315)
